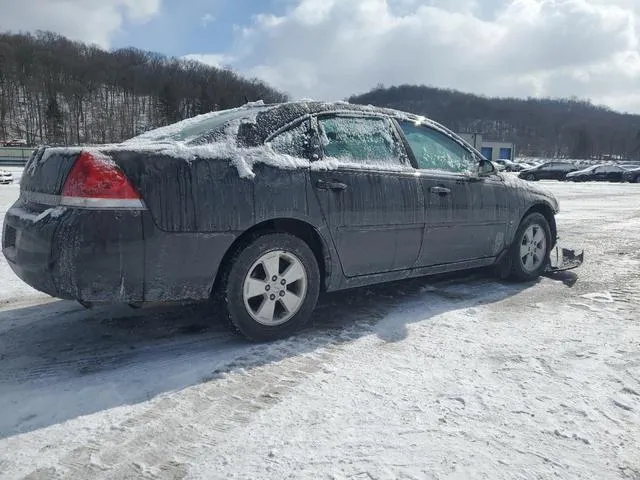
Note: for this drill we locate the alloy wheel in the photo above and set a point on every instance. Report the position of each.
(533, 248)
(274, 288)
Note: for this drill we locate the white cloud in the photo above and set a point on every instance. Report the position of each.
(213, 59)
(332, 48)
(91, 21)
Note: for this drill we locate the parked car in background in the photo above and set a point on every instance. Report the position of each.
(631, 175)
(16, 142)
(510, 166)
(548, 171)
(520, 166)
(506, 165)
(260, 208)
(6, 177)
(597, 173)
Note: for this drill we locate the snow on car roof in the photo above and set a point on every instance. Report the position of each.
(242, 132)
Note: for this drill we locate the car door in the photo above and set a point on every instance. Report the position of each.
(466, 215)
(554, 171)
(613, 173)
(371, 199)
(543, 172)
(599, 174)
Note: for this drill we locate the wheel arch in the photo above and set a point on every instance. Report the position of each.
(302, 229)
(548, 213)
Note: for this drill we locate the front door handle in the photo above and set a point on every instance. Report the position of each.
(324, 185)
(442, 191)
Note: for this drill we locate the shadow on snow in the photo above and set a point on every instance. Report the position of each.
(59, 361)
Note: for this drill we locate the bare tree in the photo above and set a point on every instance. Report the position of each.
(57, 91)
(539, 126)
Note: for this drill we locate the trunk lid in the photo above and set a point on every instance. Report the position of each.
(47, 169)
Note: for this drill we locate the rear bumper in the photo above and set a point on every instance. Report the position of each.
(97, 256)
(91, 256)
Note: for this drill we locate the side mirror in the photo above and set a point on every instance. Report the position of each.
(486, 168)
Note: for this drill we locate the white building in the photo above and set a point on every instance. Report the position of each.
(491, 150)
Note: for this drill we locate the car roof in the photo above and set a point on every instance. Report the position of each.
(274, 117)
(257, 122)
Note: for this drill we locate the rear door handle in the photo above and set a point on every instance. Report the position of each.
(324, 185)
(440, 190)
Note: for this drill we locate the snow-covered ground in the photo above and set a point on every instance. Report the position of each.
(11, 287)
(456, 378)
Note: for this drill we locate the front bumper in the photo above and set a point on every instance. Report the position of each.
(563, 259)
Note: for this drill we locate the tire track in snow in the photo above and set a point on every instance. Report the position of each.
(253, 381)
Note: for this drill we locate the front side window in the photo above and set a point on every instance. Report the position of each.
(361, 140)
(435, 151)
(293, 142)
(561, 167)
(554, 166)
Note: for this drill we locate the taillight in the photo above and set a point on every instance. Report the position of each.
(97, 182)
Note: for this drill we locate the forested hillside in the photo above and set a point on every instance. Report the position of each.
(539, 127)
(62, 92)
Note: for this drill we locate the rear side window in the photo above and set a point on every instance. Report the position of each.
(362, 140)
(193, 129)
(435, 151)
(293, 142)
(558, 166)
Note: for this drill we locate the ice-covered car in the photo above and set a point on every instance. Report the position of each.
(260, 208)
(597, 173)
(6, 177)
(548, 171)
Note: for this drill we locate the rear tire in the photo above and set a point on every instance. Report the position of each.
(529, 252)
(270, 288)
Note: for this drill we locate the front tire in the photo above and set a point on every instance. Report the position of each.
(529, 254)
(530, 177)
(271, 287)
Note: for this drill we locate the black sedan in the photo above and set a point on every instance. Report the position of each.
(548, 171)
(258, 209)
(631, 175)
(598, 173)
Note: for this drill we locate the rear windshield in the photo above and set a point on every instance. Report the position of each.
(193, 128)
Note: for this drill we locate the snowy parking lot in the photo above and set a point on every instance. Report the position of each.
(448, 378)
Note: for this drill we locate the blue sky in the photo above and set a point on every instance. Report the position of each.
(204, 26)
